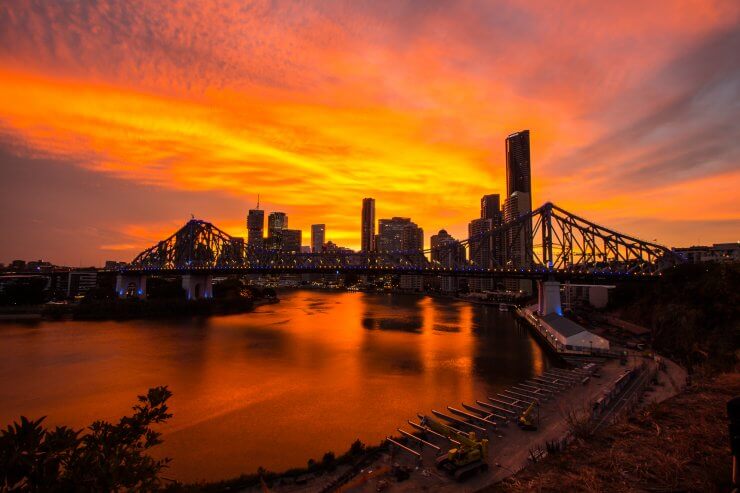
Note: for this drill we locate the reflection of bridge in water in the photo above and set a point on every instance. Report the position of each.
(548, 245)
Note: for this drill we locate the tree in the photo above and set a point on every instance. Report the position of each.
(230, 288)
(109, 457)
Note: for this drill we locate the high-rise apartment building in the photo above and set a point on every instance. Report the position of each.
(518, 252)
(318, 237)
(490, 206)
(518, 247)
(399, 234)
(368, 225)
(480, 251)
(276, 222)
(446, 250)
(291, 240)
(449, 253)
(518, 167)
(255, 228)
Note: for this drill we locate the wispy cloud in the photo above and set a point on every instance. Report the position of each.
(632, 107)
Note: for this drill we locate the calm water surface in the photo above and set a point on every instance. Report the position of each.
(274, 387)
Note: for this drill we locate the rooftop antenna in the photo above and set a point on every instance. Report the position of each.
(192, 216)
(258, 201)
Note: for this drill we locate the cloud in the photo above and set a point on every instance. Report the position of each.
(690, 131)
(316, 104)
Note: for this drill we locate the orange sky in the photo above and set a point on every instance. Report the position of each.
(120, 119)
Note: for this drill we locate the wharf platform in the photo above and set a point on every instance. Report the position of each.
(563, 393)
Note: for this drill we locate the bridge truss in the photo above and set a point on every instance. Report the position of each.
(546, 242)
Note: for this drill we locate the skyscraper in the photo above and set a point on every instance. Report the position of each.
(518, 242)
(276, 222)
(368, 225)
(446, 250)
(449, 253)
(399, 234)
(291, 240)
(518, 203)
(490, 206)
(318, 237)
(518, 172)
(519, 246)
(480, 251)
(255, 228)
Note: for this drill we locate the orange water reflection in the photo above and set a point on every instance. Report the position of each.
(274, 387)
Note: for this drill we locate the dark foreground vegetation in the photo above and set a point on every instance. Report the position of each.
(113, 457)
(693, 312)
(105, 457)
(681, 444)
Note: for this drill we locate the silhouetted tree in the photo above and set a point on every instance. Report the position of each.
(229, 288)
(109, 457)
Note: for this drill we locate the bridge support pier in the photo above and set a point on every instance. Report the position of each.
(198, 286)
(131, 286)
(549, 297)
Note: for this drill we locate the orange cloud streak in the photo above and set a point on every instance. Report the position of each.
(315, 108)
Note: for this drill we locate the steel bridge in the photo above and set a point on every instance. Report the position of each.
(549, 242)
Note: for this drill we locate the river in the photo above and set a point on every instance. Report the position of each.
(274, 387)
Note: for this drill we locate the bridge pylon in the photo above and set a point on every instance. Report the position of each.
(131, 286)
(548, 294)
(198, 286)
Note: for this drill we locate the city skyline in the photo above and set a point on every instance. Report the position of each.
(107, 146)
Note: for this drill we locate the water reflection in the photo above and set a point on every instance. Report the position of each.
(274, 387)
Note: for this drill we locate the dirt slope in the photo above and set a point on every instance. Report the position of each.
(678, 445)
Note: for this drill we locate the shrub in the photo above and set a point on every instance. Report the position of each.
(108, 457)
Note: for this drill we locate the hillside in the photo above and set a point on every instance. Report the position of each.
(680, 444)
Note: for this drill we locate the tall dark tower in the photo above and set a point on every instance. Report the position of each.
(518, 172)
(490, 206)
(368, 225)
(256, 226)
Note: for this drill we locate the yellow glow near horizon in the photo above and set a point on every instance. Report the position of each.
(316, 107)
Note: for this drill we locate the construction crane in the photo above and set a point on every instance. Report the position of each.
(526, 420)
(465, 459)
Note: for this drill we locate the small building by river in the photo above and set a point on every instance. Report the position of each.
(570, 335)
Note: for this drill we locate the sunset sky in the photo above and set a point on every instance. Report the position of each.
(118, 119)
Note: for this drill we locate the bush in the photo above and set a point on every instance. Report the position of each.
(692, 311)
(109, 457)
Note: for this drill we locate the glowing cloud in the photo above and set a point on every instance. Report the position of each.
(318, 104)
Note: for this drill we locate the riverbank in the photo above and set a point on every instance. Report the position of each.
(133, 309)
(510, 450)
